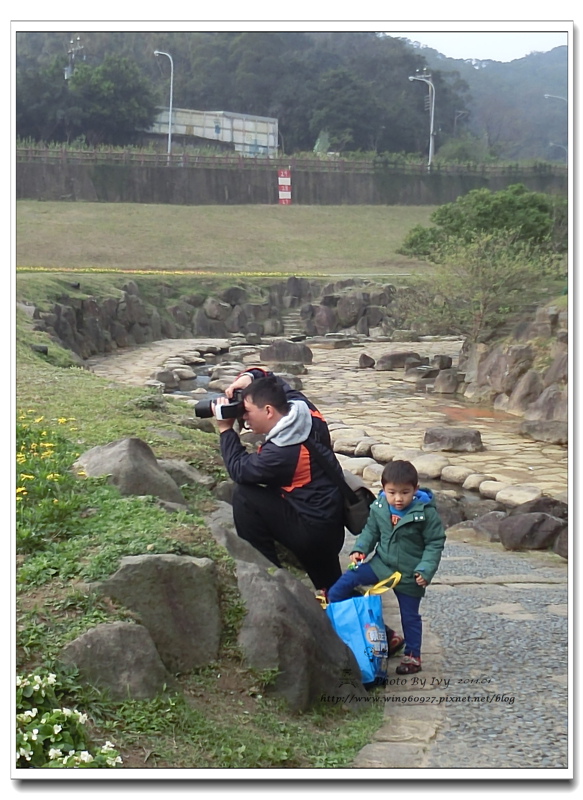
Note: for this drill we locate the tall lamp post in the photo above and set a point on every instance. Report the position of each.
(162, 53)
(552, 144)
(557, 96)
(426, 78)
(562, 146)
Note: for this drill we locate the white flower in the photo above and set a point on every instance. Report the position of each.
(34, 734)
(86, 756)
(57, 728)
(82, 718)
(51, 679)
(54, 753)
(66, 712)
(108, 746)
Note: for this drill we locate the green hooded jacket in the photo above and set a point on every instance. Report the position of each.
(414, 544)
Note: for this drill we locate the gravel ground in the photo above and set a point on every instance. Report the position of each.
(517, 656)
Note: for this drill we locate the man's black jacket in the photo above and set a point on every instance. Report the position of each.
(289, 467)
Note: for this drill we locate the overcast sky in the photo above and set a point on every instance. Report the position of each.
(497, 46)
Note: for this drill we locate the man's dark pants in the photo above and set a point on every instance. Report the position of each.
(262, 515)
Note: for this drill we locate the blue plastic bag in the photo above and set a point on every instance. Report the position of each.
(359, 622)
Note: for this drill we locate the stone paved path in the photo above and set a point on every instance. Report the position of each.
(388, 408)
(493, 691)
(391, 411)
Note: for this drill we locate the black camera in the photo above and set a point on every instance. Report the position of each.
(234, 409)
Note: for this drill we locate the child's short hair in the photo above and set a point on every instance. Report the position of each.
(400, 472)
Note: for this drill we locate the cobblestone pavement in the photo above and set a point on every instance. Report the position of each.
(390, 410)
(387, 407)
(493, 692)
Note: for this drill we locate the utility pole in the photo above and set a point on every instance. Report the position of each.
(75, 48)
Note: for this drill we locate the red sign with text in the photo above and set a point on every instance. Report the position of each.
(284, 186)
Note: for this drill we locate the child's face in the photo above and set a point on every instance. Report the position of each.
(399, 495)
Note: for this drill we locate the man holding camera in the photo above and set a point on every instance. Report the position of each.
(282, 494)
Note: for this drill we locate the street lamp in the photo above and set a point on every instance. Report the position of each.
(554, 144)
(426, 78)
(458, 115)
(557, 96)
(162, 53)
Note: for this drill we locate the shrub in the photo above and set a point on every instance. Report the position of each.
(477, 286)
(533, 218)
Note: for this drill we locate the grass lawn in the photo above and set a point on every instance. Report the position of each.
(327, 240)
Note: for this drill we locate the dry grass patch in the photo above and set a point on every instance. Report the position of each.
(290, 239)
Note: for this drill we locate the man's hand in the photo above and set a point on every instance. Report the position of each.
(242, 382)
(223, 424)
(420, 580)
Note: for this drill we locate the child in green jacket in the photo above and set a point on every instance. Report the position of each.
(406, 534)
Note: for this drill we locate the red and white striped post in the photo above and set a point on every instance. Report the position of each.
(284, 186)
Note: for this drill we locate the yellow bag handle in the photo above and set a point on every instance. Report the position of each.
(381, 586)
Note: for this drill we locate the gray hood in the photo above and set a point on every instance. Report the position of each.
(294, 428)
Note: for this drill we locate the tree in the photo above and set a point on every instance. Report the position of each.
(532, 217)
(44, 107)
(477, 286)
(116, 101)
(347, 109)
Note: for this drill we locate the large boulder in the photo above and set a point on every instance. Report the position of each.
(234, 295)
(183, 473)
(119, 657)
(447, 381)
(450, 509)
(132, 467)
(457, 440)
(551, 431)
(365, 361)
(429, 465)
(284, 350)
(177, 599)
(405, 336)
(286, 630)
(489, 524)
(350, 309)
(325, 320)
(517, 495)
(502, 368)
(544, 505)
(391, 361)
(551, 405)
(527, 389)
(456, 474)
(534, 531)
(442, 361)
(558, 372)
(216, 309)
(222, 527)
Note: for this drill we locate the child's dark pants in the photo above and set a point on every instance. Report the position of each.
(364, 575)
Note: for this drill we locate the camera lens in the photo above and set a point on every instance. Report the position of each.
(203, 409)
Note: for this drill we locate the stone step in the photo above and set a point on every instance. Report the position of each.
(292, 322)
